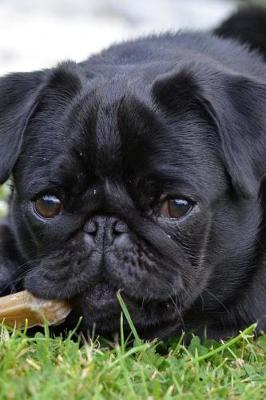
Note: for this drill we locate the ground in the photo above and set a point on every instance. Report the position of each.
(44, 368)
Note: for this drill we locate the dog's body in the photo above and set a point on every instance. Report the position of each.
(140, 170)
(247, 26)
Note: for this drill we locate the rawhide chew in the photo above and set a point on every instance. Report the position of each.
(21, 309)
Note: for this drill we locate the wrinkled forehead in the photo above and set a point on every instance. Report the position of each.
(107, 132)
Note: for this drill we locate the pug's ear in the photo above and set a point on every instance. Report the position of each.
(18, 95)
(236, 105)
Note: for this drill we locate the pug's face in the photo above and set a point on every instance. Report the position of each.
(124, 185)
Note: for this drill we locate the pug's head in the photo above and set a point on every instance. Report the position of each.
(140, 181)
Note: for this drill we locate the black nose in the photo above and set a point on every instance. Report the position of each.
(105, 229)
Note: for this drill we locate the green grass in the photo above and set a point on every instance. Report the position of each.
(43, 367)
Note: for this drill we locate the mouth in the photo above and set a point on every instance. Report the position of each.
(100, 312)
(96, 309)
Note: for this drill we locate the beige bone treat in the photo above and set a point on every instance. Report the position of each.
(16, 308)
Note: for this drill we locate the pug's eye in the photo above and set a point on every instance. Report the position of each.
(176, 208)
(48, 206)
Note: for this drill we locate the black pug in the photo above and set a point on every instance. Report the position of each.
(140, 170)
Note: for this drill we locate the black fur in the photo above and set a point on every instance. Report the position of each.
(248, 26)
(180, 115)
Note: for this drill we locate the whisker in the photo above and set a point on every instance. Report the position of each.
(217, 299)
(178, 309)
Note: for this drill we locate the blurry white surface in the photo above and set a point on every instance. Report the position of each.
(39, 33)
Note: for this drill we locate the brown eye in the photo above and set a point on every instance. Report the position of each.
(48, 206)
(176, 208)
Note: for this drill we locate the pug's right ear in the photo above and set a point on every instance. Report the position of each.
(18, 100)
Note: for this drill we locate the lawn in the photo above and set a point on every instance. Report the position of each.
(43, 367)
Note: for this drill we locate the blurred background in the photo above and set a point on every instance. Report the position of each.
(39, 33)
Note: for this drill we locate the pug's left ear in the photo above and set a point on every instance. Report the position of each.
(236, 105)
(18, 94)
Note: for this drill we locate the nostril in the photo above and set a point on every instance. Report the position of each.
(105, 230)
(120, 227)
(91, 228)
